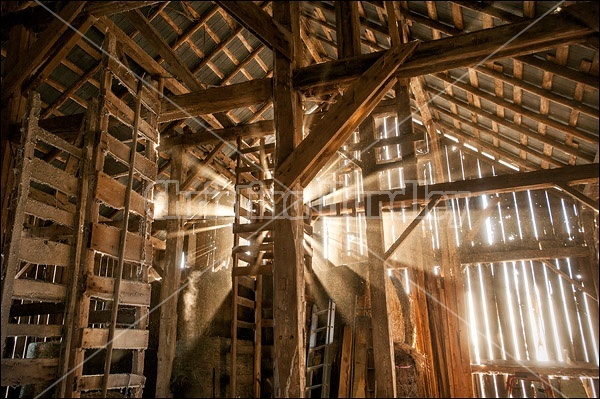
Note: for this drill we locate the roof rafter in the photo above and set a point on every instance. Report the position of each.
(39, 51)
(453, 52)
(261, 24)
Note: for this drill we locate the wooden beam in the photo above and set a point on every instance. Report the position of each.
(473, 140)
(217, 99)
(171, 278)
(254, 130)
(288, 250)
(579, 196)
(481, 218)
(260, 24)
(60, 50)
(586, 79)
(414, 223)
(549, 252)
(107, 8)
(564, 275)
(494, 184)
(453, 52)
(343, 118)
(578, 369)
(454, 318)
(20, 372)
(587, 16)
(488, 147)
(521, 181)
(199, 168)
(347, 28)
(40, 50)
(178, 68)
(383, 350)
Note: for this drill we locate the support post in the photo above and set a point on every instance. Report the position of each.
(171, 276)
(288, 270)
(383, 349)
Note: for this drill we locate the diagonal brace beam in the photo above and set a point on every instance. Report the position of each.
(343, 118)
(578, 195)
(435, 198)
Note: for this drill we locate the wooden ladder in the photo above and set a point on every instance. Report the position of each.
(252, 266)
(40, 270)
(318, 359)
(111, 319)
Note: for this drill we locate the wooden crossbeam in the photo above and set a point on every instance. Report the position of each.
(453, 52)
(560, 70)
(257, 21)
(553, 252)
(199, 168)
(539, 179)
(62, 47)
(256, 130)
(577, 369)
(40, 49)
(217, 99)
(498, 184)
(343, 118)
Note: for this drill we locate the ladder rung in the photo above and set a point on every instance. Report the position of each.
(246, 324)
(317, 366)
(245, 302)
(316, 348)
(310, 388)
(247, 282)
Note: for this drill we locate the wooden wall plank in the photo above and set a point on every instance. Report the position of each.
(44, 252)
(95, 338)
(19, 372)
(105, 239)
(39, 291)
(131, 292)
(34, 330)
(112, 193)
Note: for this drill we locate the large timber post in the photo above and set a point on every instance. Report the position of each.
(288, 270)
(172, 275)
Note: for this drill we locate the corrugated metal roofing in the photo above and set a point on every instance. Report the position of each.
(579, 58)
